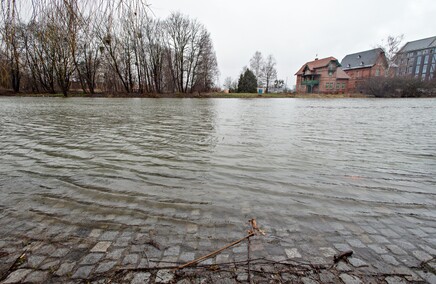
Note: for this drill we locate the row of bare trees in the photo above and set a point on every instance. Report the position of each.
(109, 46)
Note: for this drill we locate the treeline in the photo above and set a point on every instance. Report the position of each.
(51, 46)
(398, 87)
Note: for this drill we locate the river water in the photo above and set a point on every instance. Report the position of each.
(214, 163)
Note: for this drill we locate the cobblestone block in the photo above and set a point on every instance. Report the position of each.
(164, 276)
(108, 236)
(370, 230)
(380, 239)
(428, 276)
(34, 261)
(429, 230)
(395, 280)
(65, 268)
(17, 276)
(422, 256)
(242, 277)
(46, 250)
(350, 279)
(172, 251)
(115, 254)
(378, 249)
(141, 278)
(356, 262)
(327, 277)
(307, 280)
(131, 259)
(390, 259)
(222, 258)
(405, 245)
(342, 267)
(122, 242)
(396, 249)
(292, 253)
(187, 256)
(101, 247)
(138, 248)
(37, 277)
(428, 249)
(342, 247)
(418, 232)
(50, 264)
(240, 249)
(144, 263)
(95, 233)
(83, 272)
(191, 228)
(327, 252)
(105, 266)
(60, 252)
(388, 233)
(91, 258)
(356, 243)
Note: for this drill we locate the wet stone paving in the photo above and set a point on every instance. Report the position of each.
(389, 250)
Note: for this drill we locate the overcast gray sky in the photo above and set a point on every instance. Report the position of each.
(295, 31)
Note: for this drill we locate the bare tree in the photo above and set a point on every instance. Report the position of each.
(190, 56)
(79, 42)
(9, 22)
(257, 66)
(391, 46)
(228, 83)
(269, 71)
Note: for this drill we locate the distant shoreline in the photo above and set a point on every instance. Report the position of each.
(8, 93)
(193, 95)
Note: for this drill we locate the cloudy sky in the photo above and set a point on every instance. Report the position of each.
(296, 31)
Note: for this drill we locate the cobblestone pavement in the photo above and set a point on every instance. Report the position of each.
(389, 250)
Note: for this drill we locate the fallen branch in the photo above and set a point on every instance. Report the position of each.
(254, 230)
(200, 259)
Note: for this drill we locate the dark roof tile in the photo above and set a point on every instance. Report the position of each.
(362, 59)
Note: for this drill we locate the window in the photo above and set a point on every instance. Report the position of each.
(426, 59)
(343, 85)
(338, 85)
(377, 72)
(417, 69)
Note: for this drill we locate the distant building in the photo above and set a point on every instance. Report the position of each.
(363, 65)
(418, 59)
(322, 76)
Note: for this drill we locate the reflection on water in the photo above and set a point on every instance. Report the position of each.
(172, 162)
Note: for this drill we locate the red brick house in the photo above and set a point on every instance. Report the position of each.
(363, 65)
(322, 76)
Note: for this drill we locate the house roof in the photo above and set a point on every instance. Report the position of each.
(340, 74)
(419, 44)
(315, 64)
(361, 59)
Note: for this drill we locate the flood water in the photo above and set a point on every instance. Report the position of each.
(166, 163)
